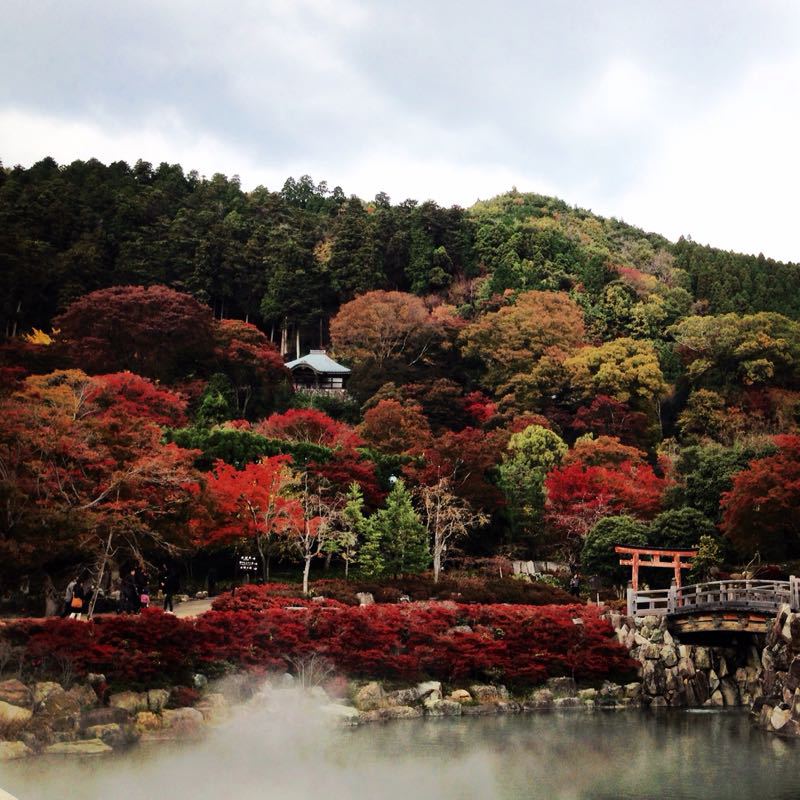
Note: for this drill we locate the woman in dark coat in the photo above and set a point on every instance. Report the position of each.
(129, 594)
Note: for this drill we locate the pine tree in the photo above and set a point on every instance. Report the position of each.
(402, 536)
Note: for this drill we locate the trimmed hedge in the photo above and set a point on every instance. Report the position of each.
(518, 645)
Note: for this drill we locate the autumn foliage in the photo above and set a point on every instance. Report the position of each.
(517, 645)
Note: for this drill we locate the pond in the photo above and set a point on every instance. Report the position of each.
(288, 755)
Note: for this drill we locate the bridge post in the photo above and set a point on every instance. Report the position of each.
(672, 598)
(794, 593)
(631, 600)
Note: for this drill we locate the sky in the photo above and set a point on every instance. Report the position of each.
(680, 117)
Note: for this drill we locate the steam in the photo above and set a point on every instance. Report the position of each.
(282, 745)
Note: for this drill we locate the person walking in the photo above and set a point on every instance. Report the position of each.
(170, 585)
(78, 603)
(68, 598)
(575, 585)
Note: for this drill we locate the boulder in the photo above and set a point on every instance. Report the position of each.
(182, 721)
(443, 708)
(460, 696)
(480, 710)
(157, 699)
(429, 690)
(369, 697)
(147, 721)
(132, 702)
(685, 667)
(15, 693)
(658, 702)
(562, 687)
(13, 715)
(654, 678)
(587, 695)
(487, 693)
(540, 698)
(42, 690)
(10, 751)
(713, 680)
(83, 747)
(649, 652)
(401, 697)
(633, 690)
(84, 695)
(716, 699)
(459, 629)
(566, 702)
(215, 709)
(611, 692)
(113, 735)
(365, 598)
(730, 692)
(668, 655)
(341, 713)
(702, 658)
(395, 712)
(62, 710)
(102, 716)
(779, 717)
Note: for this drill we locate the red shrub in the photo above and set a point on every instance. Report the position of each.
(520, 645)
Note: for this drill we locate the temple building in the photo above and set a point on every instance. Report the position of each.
(318, 372)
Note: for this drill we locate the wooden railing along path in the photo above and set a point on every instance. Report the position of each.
(744, 595)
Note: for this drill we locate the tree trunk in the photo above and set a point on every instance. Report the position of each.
(437, 560)
(284, 337)
(101, 572)
(297, 341)
(306, 571)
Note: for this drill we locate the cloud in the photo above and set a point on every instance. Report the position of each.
(662, 114)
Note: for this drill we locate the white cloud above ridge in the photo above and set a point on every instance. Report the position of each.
(680, 121)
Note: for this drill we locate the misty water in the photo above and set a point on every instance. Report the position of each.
(290, 753)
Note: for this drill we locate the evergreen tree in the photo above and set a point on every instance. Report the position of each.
(395, 541)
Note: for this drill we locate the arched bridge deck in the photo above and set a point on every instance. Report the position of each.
(746, 606)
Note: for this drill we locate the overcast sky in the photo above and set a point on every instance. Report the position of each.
(680, 117)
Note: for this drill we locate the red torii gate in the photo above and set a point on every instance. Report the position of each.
(654, 557)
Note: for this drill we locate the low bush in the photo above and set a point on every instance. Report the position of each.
(415, 587)
(519, 645)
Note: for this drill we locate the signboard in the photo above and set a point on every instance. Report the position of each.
(248, 564)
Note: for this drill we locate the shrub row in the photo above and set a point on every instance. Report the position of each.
(519, 645)
(416, 587)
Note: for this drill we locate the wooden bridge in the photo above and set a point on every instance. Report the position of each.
(746, 606)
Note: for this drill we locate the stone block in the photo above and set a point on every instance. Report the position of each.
(540, 698)
(43, 689)
(83, 747)
(102, 716)
(157, 699)
(443, 708)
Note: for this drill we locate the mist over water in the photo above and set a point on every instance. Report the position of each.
(282, 746)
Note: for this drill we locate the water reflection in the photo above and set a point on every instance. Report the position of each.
(293, 755)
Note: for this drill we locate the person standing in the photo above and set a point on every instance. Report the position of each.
(170, 585)
(129, 594)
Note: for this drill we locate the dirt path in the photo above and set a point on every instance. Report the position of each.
(192, 608)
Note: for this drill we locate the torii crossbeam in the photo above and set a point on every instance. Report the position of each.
(655, 557)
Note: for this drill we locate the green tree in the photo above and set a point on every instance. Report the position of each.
(530, 455)
(396, 541)
(351, 528)
(598, 556)
(680, 528)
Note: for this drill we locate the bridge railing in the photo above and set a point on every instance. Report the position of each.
(758, 595)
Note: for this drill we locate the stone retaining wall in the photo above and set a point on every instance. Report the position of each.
(777, 709)
(675, 674)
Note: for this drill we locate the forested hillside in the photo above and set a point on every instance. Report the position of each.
(558, 381)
